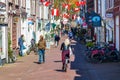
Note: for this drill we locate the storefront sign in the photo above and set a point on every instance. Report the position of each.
(109, 15)
(96, 21)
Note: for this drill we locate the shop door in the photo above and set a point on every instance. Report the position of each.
(117, 33)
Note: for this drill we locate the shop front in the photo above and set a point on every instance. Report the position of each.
(3, 33)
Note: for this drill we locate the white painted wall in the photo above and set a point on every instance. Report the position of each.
(103, 9)
(2, 1)
(117, 32)
(4, 47)
(28, 7)
(4, 39)
(45, 12)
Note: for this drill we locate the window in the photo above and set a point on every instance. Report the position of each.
(111, 4)
(2, 1)
(0, 39)
(16, 2)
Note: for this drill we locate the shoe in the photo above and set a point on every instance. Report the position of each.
(39, 63)
(68, 61)
(62, 68)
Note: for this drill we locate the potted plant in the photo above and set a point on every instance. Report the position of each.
(9, 48)
(89, 44)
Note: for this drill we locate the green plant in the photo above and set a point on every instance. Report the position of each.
(89, 44)
(9, 45)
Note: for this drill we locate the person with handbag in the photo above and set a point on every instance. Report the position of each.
(21, 45)
(41, 49)
(65, 50)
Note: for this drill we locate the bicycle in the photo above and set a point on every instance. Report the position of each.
(66, 63)
(13, 55)
(32, 48)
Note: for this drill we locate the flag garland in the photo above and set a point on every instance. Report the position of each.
(74, 17)
(79, 3)
(65, 15)
(67, 6)
(46, 3)
(76, 9)
(55, 12)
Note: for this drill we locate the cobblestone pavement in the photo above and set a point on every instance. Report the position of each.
(26, 68)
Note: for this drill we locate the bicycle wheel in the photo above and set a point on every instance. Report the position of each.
(65, 68)
(28, 51)
(14, 58)
(66, 64)
(97, 58)
(113, 56)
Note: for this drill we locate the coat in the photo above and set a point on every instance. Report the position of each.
(42, 44)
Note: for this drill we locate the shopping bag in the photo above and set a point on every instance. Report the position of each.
(71, 52)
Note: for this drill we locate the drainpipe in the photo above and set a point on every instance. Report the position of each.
(6, 31)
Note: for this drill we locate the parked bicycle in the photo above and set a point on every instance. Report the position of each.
(13, 56)
(32, 48)
(99, 54)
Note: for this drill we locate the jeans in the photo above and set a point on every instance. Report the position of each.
(41, 54)
(21, 50)
(56, 43)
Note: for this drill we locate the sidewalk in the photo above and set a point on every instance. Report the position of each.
(26, 68)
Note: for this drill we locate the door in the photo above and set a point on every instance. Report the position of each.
(117, 32)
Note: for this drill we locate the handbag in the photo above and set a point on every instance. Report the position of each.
(24, 47)
(71, 52)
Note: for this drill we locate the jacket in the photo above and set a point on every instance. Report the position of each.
(64, 47)
(42, 44)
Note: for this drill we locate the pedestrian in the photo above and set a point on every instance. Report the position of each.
(56, 39)
(70, 35)
(33, 46)
(41, 49)
(32, 42)
(65, 51)
(21, 45)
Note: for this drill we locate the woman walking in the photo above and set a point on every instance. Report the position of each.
(41, 49)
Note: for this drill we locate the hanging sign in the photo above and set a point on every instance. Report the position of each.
(96, 21)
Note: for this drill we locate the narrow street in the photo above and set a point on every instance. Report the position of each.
(26, 68)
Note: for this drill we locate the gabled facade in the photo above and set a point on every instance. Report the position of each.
(109, 20)
(117, 23)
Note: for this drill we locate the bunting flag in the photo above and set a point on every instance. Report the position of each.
(55, 12)
(83, 3)
(46, 3)
(79, 3)
(74, 17)
(76, 9)
(42, 0)
(67, 6)
(66, 15)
